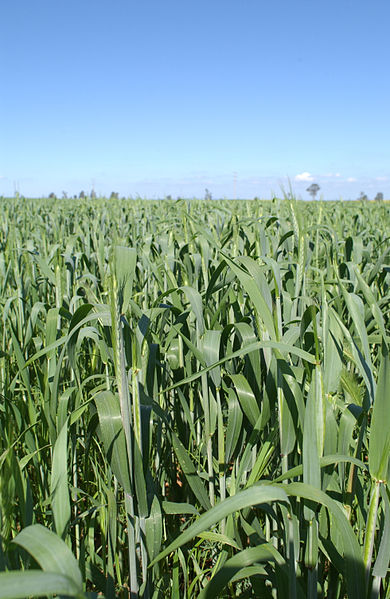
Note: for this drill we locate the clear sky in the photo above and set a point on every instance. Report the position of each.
(154, 97)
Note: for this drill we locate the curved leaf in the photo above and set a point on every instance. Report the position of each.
(50, 552)
(34, 583)
(255, 495)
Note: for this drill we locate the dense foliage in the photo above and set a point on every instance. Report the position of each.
(195, 399)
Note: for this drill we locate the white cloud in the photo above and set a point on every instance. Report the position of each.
(351, 180)
(331, 175)
(381, 178)
(305, 176)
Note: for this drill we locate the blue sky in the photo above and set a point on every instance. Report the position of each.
(153, 98)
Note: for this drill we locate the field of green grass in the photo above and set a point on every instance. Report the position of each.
(194, 399)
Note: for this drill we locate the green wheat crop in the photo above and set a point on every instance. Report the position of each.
(194, 399)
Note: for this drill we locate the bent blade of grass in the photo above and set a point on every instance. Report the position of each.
(251, 282)
(324, 462)
(232, 567)
(189, 470)
(246, 397)
(101, 312)
(50, 552)
(34, 583)
(255, 495)
(217, 537)
(281, 347)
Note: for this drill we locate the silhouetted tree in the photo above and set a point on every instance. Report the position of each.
(93, 194)
(379, 197)
(114, 195)
(207, 194)
(64, 195)
(363, 197)
(52, 195)
(82, 195)
(313, 190)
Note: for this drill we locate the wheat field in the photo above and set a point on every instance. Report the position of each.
(194, 399)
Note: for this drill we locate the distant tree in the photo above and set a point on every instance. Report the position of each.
(52, 195)
(313, 190)
(379, 197)
(363, 197)
(114, 195)
(64, 195)
(93, 194)
(82, 195)
(207, 194)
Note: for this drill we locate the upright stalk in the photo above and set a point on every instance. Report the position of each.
(127, 420)
(371, 526)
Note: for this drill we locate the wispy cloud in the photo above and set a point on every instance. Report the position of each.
(381, 178)
(351, 180)
(305, 176)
